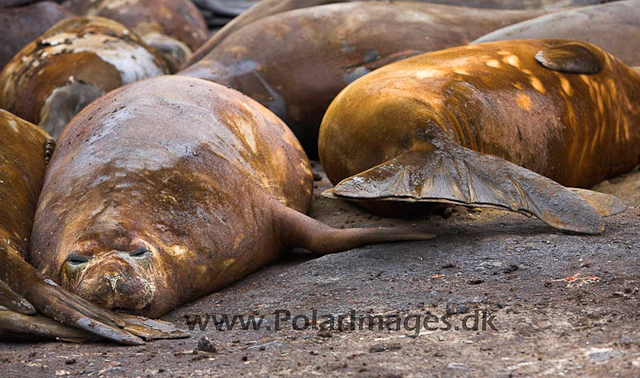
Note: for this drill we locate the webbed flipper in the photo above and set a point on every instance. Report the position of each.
(20, 327)
(606, 204)
(457, 175)
(14, 302)
(151, 329)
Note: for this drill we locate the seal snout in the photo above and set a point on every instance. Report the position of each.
(116, 284)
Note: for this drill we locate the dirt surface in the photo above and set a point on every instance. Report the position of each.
(561, 304)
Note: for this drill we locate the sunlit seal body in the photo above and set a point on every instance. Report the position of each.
(173, 27)
(614, 27)
(296, 62)
(24, 24)
(170, 188)
(423, 130)
(73, 63)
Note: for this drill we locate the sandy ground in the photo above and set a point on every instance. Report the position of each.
(561, 304)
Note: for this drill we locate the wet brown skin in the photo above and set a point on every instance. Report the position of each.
(174, 27)
(266, 8)
(24, 24)
(74, 62)
(296, 62)
(168, 189)
(494, 98)
(613, 27)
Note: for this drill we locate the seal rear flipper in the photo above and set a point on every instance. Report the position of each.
(457, 175)
(298, 230)
(606, 204)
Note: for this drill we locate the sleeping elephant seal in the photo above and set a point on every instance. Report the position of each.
(173, 27)
(24, 24)
(613, 27)
(28, 303)
(266, 8)
(471, 125)
(170, 188)
(73, 63)
(296, 62)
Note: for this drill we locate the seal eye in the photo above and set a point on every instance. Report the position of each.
(140, 252)
(76, 260)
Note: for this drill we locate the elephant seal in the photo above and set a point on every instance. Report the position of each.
(170, 188)
(28, 303)
(266, 8)
(280, 62)
(613, 27)
(175, 28)
(73, 63)
(24, 24)
(471, 125)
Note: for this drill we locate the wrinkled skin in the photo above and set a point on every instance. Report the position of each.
(266, 8)
(175, 28)
(77, 60)
(421, 123)
(296, 62)
(170, 188)
(32, 308)
(613, 27)
(23, 25)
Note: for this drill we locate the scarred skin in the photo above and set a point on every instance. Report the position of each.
(266, 8)
(613, 27)
(174, 27)
(494, 98)
(74, 62)
(296, 62)
(24, 24)
(173, 187)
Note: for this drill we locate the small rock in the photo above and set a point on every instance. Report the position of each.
(206, 345)
(512, 268)
(475, 281)
(456, 365)
(454, 308)
(384, 348)
(70, 361)
(449, 265)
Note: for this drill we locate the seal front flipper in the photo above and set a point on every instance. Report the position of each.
(301, 231)
(572, 57)
(453, 174)
(14, 302)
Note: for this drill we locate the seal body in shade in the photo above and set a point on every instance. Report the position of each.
(471, 125)
(612, 27)
(175, 28)
(170, 188)
(266, 8)
(280, 62)
(54, 77)
(24, 24)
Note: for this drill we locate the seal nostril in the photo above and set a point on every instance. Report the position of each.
(140, 252)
